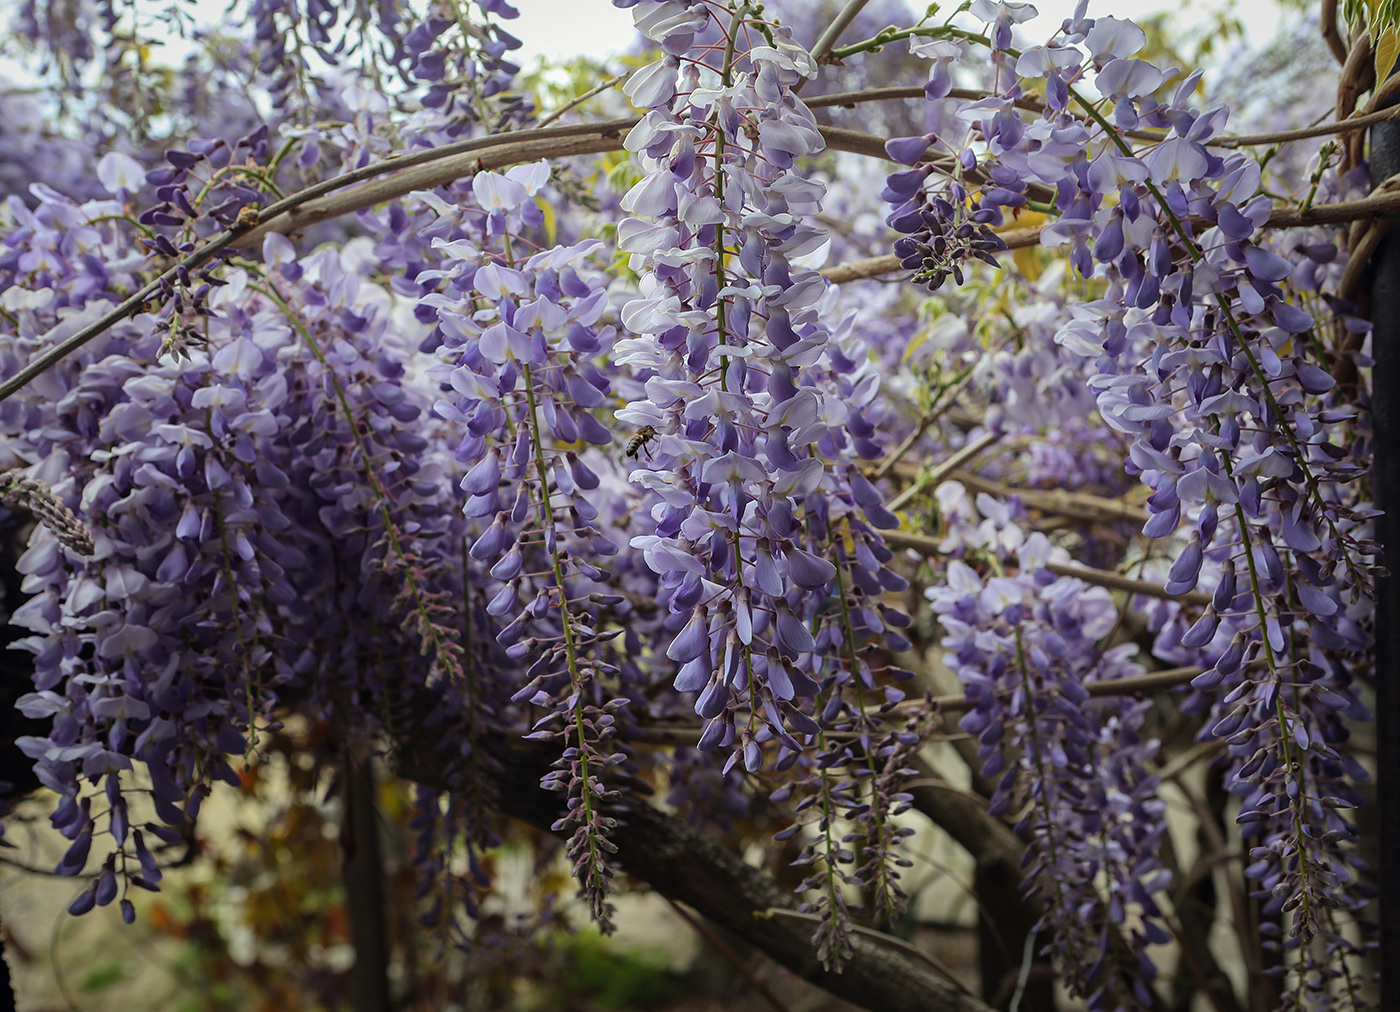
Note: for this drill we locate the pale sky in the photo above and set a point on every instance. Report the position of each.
(558, 29)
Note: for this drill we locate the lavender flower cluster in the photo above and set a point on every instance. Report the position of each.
(381, 476)
(262, 516)
(1027, 645)
(1202, 360)
(766, 533)
(519, 341)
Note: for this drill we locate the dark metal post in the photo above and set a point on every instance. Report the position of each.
(1385, 484)
(364, 890)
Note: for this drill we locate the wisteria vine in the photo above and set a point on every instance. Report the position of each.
(604, 467)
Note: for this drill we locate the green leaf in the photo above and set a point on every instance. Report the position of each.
(1387, 47)
(99, 978)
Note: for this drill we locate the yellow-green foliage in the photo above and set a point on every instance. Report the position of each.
(1381, 19)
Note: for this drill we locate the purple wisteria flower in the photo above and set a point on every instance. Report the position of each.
(1207, 366)
(766, 537)
(1026, 646)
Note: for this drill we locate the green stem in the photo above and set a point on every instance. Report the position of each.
(1039, 764)
(256, 174)
(832, 848)
(595, 859)
(1294, 768)
(727, 75)
(1324, 159)
(883, 39)
(237, 619)
(885, 889)
(125, 219)
(282, 153)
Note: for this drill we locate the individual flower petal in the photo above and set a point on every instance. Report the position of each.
(808, 570)
(692, 641)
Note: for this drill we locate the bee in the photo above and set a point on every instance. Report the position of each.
(638, 443)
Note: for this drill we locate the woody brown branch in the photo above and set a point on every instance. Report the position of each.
(1079, 506)
(688, 867)
(435, 167)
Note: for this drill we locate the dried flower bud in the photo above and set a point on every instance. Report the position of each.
(35, 497)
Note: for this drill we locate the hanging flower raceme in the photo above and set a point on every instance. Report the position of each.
(262, 521)
(462, 59)
(1026, 645)
(1205, 361)
(453, 469)
(520, 338)
(729, 348)
(766, 533)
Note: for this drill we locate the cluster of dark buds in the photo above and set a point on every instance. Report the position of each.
(211, 179)
(940, 235)
(186, 306)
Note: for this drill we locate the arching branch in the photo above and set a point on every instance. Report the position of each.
(1338, 213)
(684, 866)
(437, 166)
